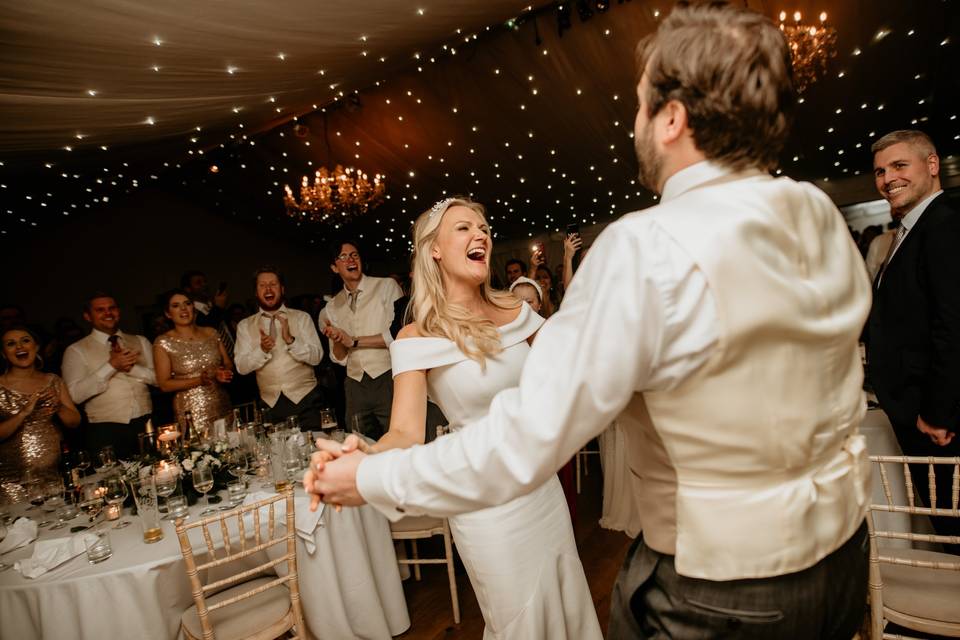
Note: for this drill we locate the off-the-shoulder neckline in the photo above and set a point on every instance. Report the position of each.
(525, 311)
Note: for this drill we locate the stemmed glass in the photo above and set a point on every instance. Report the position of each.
(165, 477)
(92, 498)
(52, 490)
(203, 482)
(116, 494)
(83, 462)
(107, 457)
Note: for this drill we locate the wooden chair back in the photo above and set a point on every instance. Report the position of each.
(251, 540)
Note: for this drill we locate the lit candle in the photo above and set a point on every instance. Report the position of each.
(113, 512)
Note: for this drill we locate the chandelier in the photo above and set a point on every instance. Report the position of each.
(335, 196)
(811, 46)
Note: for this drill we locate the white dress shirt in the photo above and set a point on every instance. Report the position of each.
(373, 316)
(583, 369)
(110, 395)
(287, 369)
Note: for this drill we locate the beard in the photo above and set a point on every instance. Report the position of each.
(651, 163)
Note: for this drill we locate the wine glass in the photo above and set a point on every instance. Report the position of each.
(52, 491)
(203, 482)
(237, 463)
(107, 457)
(83, 462)
(165, 476)
(67, 511)
(91, 498)
(115, 493)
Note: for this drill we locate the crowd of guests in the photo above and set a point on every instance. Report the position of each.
(200, 356)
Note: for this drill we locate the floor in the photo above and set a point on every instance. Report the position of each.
(601, 552)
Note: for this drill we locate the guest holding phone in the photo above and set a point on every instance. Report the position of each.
(571, 245)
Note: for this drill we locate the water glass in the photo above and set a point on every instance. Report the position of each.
(115, 495)
(98, 546)
(68, 511)
(237, 491)
(177, 506)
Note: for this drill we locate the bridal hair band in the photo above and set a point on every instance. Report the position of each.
(440, 206)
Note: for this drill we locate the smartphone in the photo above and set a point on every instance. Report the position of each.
(573, 229)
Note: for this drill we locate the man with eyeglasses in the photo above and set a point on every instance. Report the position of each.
(357, 324)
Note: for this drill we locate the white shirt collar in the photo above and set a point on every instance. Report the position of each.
(202, 307)
(911, 218)
(359, 286)
(692, 176)
(102, 337)
(281, 309)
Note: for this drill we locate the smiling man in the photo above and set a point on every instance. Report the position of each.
(914, 329)
(357, 323)
(109, 372)
(283, 347)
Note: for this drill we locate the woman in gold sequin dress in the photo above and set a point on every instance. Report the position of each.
(29, 398)
(192, 362)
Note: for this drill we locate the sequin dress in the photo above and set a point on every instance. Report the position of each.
(188, 359)
(35, 445)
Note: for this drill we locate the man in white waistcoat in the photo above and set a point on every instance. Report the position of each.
(282, 345)
(720, 328)
(109, 372)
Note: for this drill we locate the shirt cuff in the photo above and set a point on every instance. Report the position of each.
(105, 372)
(371, 480)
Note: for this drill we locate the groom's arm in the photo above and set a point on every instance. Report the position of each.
(615, 334)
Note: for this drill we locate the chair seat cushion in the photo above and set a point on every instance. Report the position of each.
(417, 523)
(244, 618)
(933, 594)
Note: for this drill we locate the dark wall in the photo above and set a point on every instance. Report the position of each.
(137, 248)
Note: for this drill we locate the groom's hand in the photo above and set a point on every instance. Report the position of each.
(334, 480)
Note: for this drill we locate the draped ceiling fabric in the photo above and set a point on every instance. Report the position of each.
(535, 124)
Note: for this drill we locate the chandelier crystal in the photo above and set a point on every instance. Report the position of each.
(811, 46)
(335, 195)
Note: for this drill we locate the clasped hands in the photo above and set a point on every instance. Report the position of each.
(332, 474)
(221, 375)
(267, 343)
(124, 359)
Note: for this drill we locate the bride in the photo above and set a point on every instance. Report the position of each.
(469, 342)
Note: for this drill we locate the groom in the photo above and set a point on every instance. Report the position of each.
(720, 327)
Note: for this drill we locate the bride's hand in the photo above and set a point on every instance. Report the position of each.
(317, 461)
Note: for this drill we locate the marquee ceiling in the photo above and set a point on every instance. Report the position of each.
(101, 98)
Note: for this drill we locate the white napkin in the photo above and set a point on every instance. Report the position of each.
(20, 533)
(306, 521)
(49, 554)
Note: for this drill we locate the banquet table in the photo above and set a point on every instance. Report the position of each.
(349, 584)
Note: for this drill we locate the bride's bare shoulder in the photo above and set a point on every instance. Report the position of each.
(409, 331)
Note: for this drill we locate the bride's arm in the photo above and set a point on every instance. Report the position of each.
(408, 415)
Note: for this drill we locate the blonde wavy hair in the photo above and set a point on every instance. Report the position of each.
(436, 316)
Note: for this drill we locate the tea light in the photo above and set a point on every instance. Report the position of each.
(168, 436)
(113, 512)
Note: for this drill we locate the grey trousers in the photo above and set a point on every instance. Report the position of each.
(371, 399)
(824, 602)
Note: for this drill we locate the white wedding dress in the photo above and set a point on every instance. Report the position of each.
(521, 556)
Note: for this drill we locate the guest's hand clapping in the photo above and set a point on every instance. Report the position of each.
(223, 375)
(284, 328)
(266, 342)
(941, 436)
(124, 359)
(338, 335)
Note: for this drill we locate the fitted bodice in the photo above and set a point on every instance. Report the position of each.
(188, 359)
(35, 445)
(459, 385)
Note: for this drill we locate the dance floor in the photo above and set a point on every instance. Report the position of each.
(601, 551)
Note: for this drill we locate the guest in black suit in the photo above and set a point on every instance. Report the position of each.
(914, 325)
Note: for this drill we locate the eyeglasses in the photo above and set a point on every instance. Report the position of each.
(352, 256)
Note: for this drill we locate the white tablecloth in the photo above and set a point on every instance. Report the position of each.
(350, 586)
